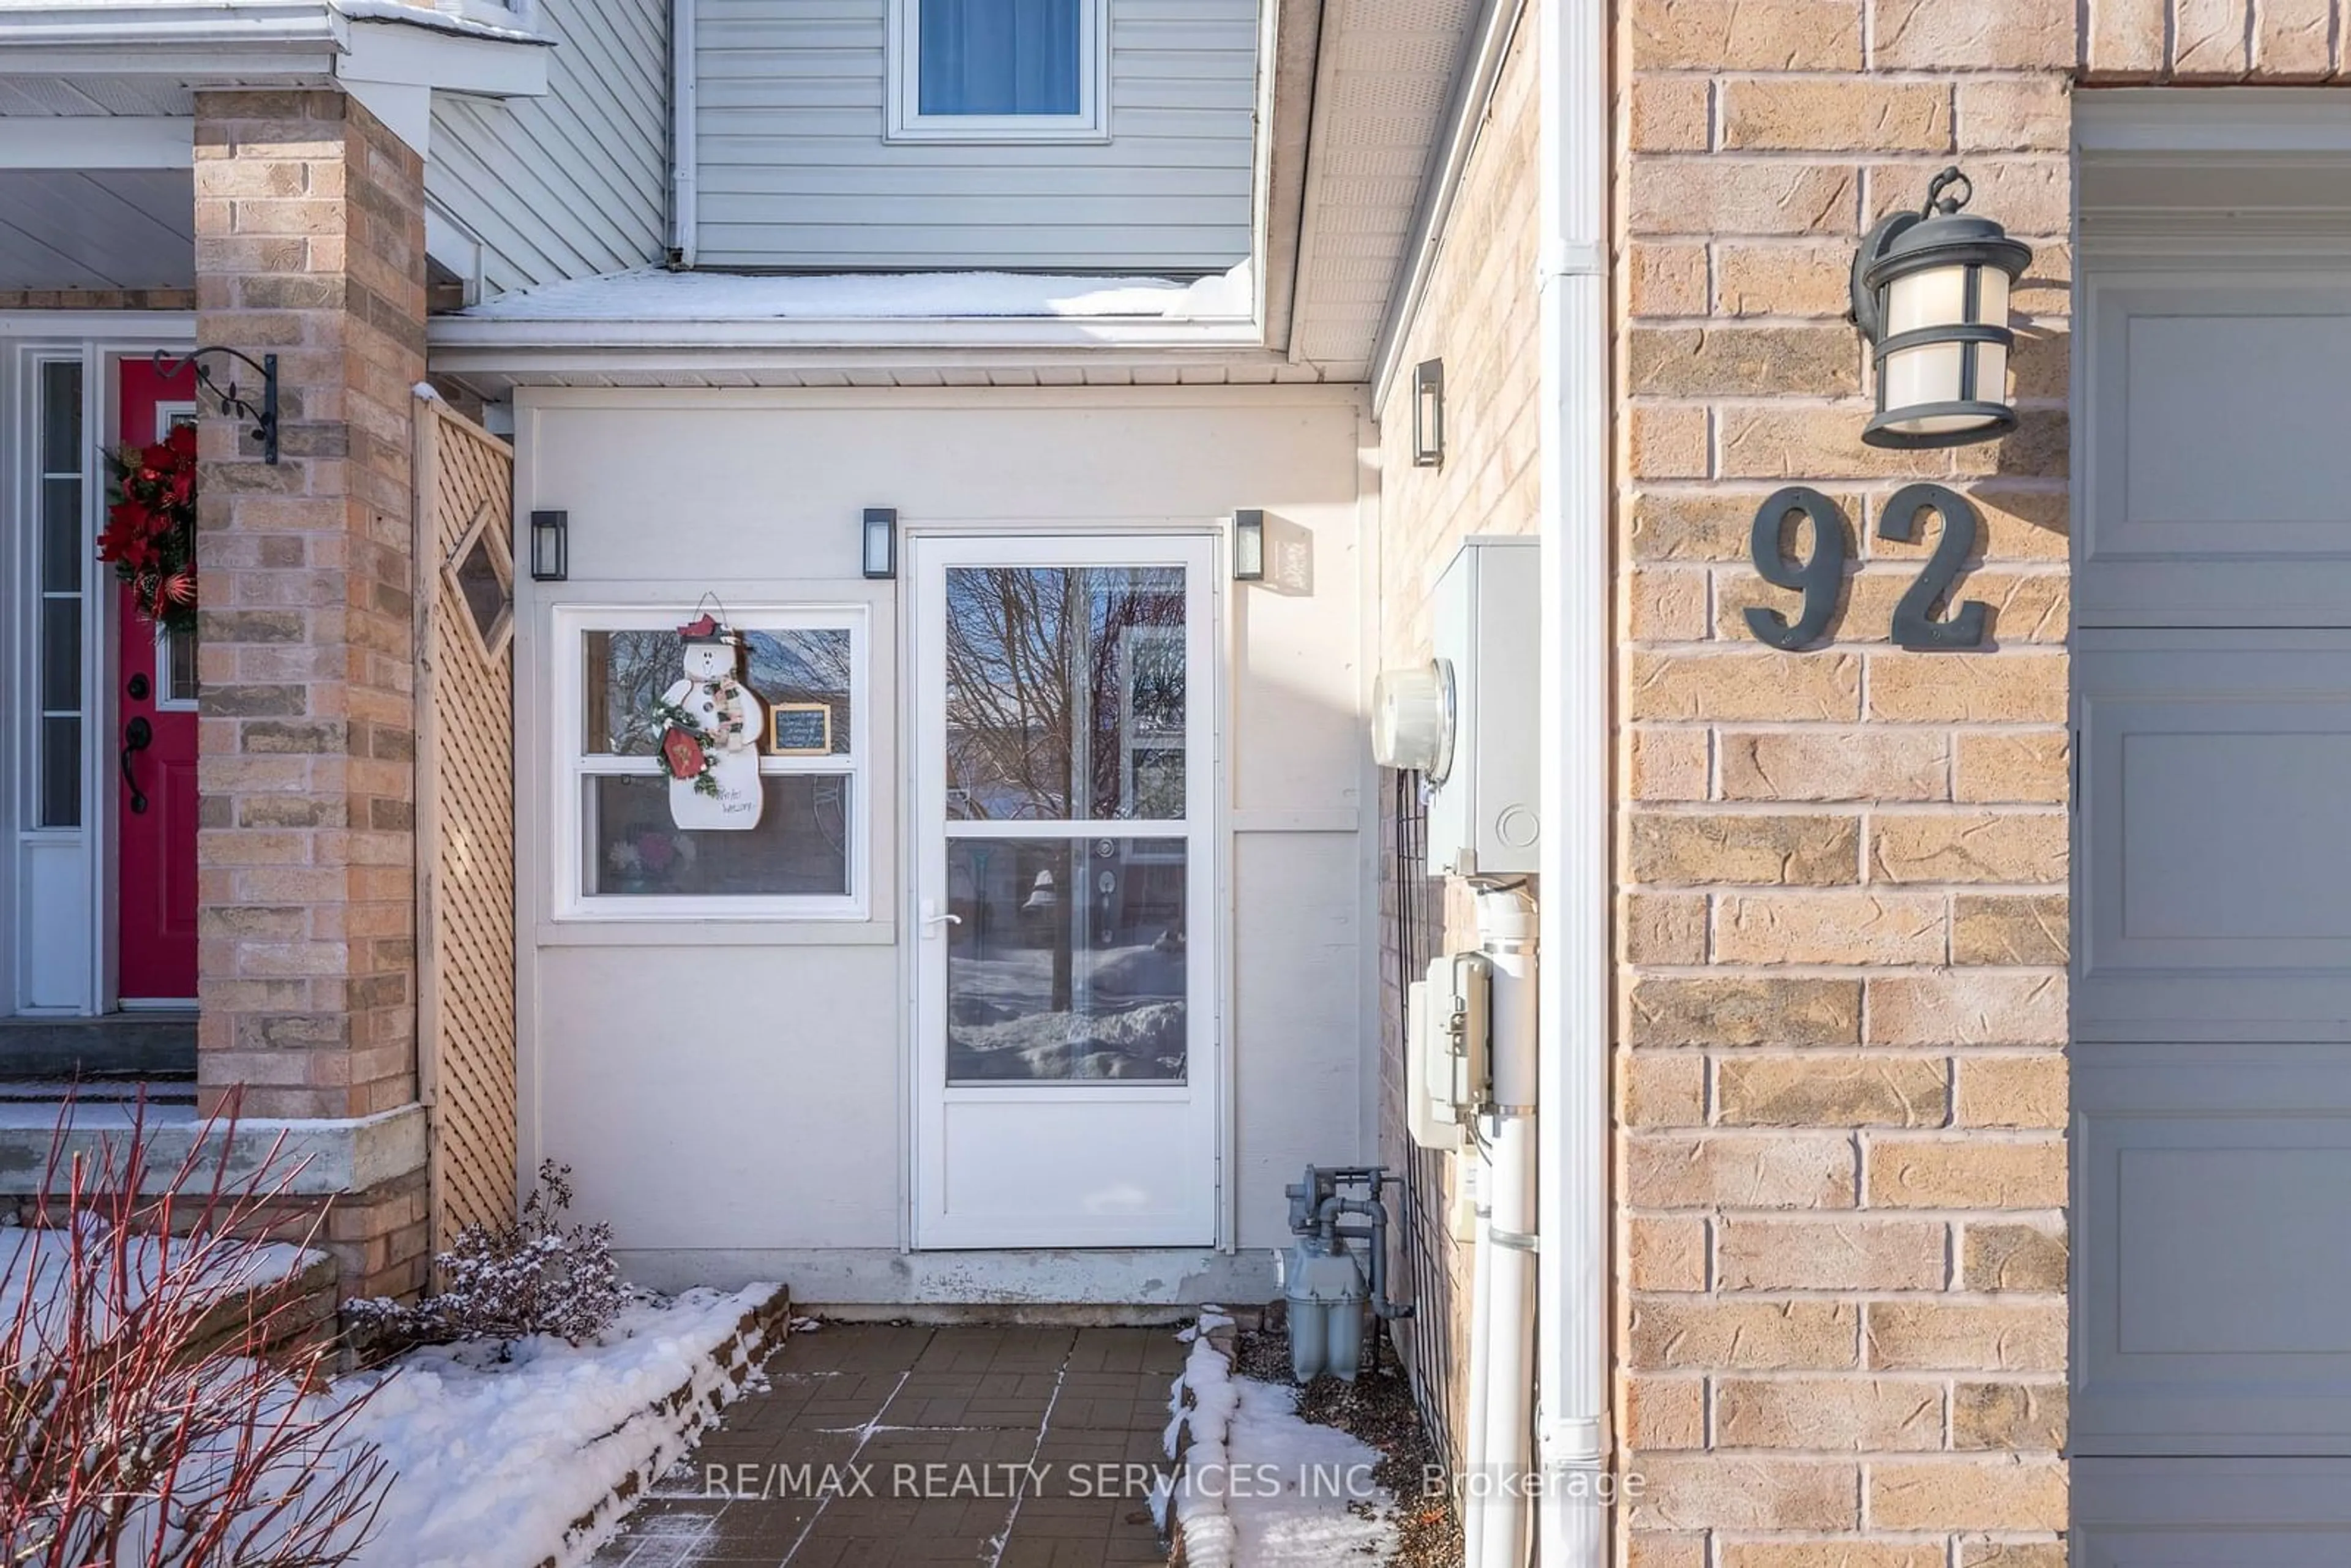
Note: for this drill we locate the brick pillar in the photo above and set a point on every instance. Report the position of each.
(310, 243)
(1842, 1091)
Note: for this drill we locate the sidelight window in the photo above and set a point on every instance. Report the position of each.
(63, 558)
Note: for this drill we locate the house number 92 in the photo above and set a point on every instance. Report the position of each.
(1819, 572)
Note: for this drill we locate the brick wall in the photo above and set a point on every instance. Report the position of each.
(309, 243)
(1479, 316)
(2213, 41)
(1842, 929)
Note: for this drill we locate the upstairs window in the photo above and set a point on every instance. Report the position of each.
(997, 70)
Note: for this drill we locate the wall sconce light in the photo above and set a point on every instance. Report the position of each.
(1428, 414)
(551, 547)
(1249, 546)
(880, 541)
(1931, 293)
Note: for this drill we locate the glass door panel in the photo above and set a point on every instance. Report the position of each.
(1069, 960)
(1066, 1013)
(1057, 678)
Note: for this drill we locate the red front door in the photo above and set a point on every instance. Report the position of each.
(155, 720)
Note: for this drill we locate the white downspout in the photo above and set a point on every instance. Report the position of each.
(1475, 1461)
(685, 157)
(1506, 1240)
(1572, 1290)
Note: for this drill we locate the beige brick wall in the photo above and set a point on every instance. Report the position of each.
(2214, 41)
(309, 244)
(1479, 316)
(1842, 927)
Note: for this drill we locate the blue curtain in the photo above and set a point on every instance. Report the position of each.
(999, 56)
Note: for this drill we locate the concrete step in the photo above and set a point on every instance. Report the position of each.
(152, 1046)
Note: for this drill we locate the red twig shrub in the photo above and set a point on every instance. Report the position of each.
(152, 1411)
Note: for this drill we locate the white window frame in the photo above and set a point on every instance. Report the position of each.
(520, 14)
(574, 766)
(907, 122)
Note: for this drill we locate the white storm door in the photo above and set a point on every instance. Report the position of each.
(1066, 916)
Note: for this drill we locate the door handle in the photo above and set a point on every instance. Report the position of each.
(137, 736)
(933, 915)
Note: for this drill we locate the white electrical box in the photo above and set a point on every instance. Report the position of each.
(1467, 720)
(1447, 1025)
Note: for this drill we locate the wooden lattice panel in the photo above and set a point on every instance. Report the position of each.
(464, 772)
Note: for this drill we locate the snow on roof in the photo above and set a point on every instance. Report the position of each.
(416, 13)
(655, 293)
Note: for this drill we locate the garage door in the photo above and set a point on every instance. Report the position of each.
(2213, 964)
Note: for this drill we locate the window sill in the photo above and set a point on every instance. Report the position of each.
(707, 931)
(996, 133)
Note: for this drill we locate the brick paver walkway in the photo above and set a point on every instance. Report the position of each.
(1018, 1448)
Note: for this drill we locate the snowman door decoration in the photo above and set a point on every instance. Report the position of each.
(711, 743)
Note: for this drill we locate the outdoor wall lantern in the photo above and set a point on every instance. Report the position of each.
(1931, 293)
(1428, 414)
(1249, 546)
(880, 541)
(551, 547)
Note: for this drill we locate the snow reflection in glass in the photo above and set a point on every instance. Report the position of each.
(1069, 963)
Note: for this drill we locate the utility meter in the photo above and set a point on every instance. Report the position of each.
(1411, 719)
(1467, 719)
(1449, 1024)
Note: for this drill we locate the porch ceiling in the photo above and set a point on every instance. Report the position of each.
(38, 96)
(98, 228)
(1389, 75)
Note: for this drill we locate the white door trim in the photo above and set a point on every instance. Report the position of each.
(99, 341)
(67, 867)
(928, 553)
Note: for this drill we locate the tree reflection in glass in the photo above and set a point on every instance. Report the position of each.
(627, 669)
(1065, 692)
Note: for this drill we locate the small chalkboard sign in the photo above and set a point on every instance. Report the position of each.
(800, 729)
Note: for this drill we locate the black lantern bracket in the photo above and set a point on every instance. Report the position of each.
(231, 397)
(1940, 202)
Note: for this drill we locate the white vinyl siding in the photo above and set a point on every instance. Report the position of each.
(795, 173)
(577, 183)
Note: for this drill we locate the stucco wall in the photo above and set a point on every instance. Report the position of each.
(771, 1120)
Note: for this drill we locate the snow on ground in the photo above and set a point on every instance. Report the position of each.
(655, 294)
(1263, 1488)
(495, 1460)
(44, 1257)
